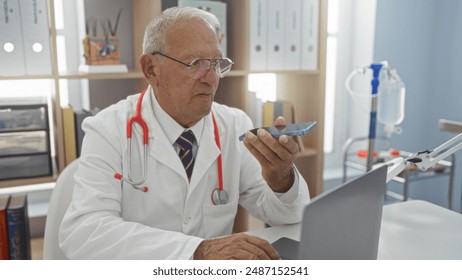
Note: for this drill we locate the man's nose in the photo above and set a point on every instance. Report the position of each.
(211, 75)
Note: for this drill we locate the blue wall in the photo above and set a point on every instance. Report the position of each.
(422, 39)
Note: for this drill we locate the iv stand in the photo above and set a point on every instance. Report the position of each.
(373, 114)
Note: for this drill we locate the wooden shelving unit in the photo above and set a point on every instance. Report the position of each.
(304, 88)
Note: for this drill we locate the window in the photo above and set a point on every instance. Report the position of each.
(331, 63)
(264, 85)
(350, 43)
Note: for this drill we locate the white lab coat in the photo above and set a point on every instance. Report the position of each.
(108, 221)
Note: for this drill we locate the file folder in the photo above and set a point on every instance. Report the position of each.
(70, 140)
(36, 36)
(258, 35)
(11, 46)
(218, 9)
(310, 32)
(276, 37)
(268, 114)
(292, 50)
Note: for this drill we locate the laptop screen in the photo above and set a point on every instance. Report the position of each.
(343, 223)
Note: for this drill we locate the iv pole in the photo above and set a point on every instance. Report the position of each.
(373, 114)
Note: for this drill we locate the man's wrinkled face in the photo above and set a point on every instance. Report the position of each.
(185, 99)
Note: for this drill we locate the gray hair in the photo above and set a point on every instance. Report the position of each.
(155, 35)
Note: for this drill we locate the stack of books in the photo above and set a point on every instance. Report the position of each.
(73, 132)
(14, 228)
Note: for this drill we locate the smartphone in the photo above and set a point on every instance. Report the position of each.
(294, 129)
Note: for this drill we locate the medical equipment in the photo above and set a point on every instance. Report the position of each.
(387, 101)
(219, 195)
(391, 98)
(425, 159)
(137, 118)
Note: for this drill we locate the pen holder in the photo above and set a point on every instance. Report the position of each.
(101, 50)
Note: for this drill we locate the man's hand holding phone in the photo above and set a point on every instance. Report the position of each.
(275, 155)
(293, 129)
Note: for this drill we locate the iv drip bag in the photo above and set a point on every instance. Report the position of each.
(391, 98)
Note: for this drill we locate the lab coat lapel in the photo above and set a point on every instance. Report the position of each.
(163, 151)
(207, 153)
(160, 147)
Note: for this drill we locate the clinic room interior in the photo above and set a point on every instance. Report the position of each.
(382, 86)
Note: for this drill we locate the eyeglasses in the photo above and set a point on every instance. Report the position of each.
(199, 67)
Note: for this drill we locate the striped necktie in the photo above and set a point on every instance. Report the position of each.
(185, 141)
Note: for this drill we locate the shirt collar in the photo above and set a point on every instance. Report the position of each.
(170, 127)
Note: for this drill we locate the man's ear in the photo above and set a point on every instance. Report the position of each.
(147, 66)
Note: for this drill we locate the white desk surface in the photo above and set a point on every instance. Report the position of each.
(410, 230)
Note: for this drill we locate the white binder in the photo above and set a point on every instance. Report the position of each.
(36, 36)
(276, 39)
(310, 33)
(11, 47)
(218, 9)
(293, 35)
(258, 40)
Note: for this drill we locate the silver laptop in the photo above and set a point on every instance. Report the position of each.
(343, 223)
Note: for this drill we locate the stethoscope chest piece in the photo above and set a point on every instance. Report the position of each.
(219, 197)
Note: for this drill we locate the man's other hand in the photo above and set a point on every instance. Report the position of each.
(238, 246)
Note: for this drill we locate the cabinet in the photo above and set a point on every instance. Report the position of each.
(24, 139)
(305, 89)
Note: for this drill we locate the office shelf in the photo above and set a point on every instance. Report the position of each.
(305, 89)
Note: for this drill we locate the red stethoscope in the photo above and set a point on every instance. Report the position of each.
(219, 195)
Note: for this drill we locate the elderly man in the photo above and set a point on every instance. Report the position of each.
(177, 196)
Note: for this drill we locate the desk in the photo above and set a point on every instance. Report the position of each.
(410, 230)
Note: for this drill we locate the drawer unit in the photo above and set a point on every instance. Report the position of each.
(24, 138)
(19, 118)
(21, 143)
(16, 167)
